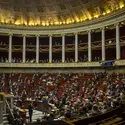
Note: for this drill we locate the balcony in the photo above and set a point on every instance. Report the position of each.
(58, 65)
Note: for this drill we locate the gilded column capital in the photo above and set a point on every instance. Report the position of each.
(50, 35)
(103, 28)
(23, 34)
(37, 35)
(76, 33)
(89, 31)
(10, 34)
(63, 34)
(117, 24)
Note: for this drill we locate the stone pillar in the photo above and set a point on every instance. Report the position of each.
(76, 47)
(89, 47)
(103, 44)
(24, 48)
(37, 49)
(117, 42)
(63, 48)
(1, 112)
(50, 48)
(10, 48)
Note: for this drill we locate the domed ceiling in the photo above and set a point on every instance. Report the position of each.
(54, 12)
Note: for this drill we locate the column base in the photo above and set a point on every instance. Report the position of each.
(89, 60)
(76, 61)
(63, 61)
(103, 59)
(37, 62)
(117, 58)
(49, 62)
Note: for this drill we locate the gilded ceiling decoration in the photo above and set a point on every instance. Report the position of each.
(55, 12)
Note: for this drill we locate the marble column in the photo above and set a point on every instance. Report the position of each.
(76, 47)
(117, 42)
(50, 48)
(37, 49)
(63, 48)
(10, 48)
(103, 44)
(24, 48)
(89, 47)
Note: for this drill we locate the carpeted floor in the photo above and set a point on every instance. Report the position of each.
(36, 115)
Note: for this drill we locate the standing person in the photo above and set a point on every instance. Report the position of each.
(30, 108)
(45, 104)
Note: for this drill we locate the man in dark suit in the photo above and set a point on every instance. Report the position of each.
(30, 108)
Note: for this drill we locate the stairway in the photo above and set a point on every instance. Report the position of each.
(5, 119)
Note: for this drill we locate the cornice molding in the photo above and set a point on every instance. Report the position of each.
(108, 20)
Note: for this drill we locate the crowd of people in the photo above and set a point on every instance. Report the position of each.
(71, 94)
(55, 60)
(3, 60)
(2, 43)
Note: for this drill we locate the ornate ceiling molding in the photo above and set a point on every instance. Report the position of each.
(111, 19)
(46, 13)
